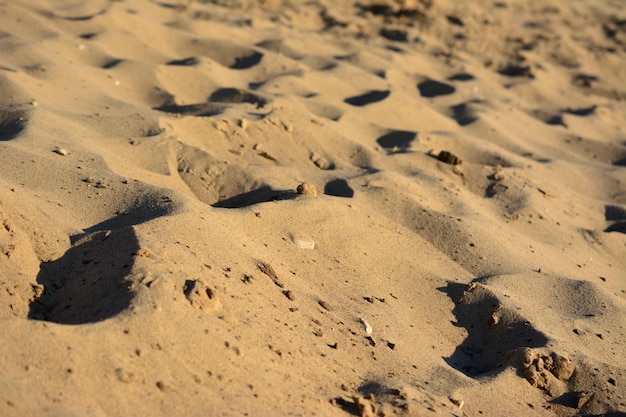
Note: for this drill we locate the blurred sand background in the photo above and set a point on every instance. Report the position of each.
(331, 208)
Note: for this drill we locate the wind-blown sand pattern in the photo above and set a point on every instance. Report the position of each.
(312, 208)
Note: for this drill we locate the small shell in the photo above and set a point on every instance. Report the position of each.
(368, 328)
(304, 244)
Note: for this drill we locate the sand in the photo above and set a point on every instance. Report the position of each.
(373, 208)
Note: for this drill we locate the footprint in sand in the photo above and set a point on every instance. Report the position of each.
(202, 297)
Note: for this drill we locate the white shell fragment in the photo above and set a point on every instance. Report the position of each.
(368, 328)
(304, 244)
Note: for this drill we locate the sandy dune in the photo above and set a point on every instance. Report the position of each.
(457, 248)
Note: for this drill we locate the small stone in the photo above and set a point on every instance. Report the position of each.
(124, 376)
(289, 295)
(583, 398)
(60, 151)
(322, 163)
(324, 305)
(449, 158)
(306, 188)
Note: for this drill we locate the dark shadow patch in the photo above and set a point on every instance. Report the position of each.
(619, 227)
(228, 54)
(11, 124)
(454, 20)
(463, 76)
(391, 13)
(550, 117)
(556, 120)
(338, 188)
(89, 35)
(174, 6)
(463, 114)
(185, 62)
(256, 85)
(236, 95)
(260, 195)
(377, 9)
(584, 80)
(377, 389)
(614, 213)
(131, 217)
(397, 141)
(247, 61)
(488, 345)
(397, 35)
(568, 399)
(432, 88)
(89, 282)
(112, 63)
(349, 407)
(514, 69)
(394, 48)
(368, 98)
(82, 18)
(200, 110)
(583, 111)
(620, 162)
(494, 188)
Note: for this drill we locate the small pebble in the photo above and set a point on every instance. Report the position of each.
(324, 305)
(60, 151)
(322, 163)
(368, 328)
(449, 158)
(304, 244)
(307, 188)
